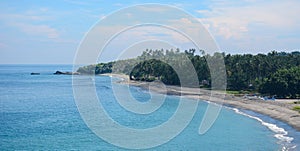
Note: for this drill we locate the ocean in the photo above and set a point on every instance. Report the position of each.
(38, 112)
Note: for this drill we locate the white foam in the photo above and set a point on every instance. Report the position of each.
(213, 103)
(281, 133)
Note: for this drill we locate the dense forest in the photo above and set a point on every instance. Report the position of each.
(275, 73)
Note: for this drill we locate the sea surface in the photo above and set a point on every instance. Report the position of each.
(38, 112)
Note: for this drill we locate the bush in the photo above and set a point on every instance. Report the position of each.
(296, 108)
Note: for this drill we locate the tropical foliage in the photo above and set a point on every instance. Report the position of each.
(275, 73)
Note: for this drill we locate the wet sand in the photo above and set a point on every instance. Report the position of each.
(280, 109)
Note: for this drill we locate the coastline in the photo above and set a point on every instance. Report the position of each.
(279, 109)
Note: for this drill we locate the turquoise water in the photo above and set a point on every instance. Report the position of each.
(38, 112)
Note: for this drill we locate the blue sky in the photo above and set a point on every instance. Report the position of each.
(49, 32)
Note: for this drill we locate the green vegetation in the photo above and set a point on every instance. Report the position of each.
(284, 82)
(296, 108)
(275, 73)
(97, 69)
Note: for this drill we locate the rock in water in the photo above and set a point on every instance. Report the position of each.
(59, 72)
(34, 73)
(66, 73)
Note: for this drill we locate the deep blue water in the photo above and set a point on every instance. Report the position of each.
(38, 112)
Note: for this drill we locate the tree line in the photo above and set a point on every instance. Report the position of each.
(275, 73)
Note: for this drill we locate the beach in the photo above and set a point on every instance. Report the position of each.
(280, 109)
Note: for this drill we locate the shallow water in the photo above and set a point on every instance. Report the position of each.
(38, 112)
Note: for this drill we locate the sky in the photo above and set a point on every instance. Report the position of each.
(49, 32)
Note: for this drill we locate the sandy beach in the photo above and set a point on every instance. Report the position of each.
(280, 109)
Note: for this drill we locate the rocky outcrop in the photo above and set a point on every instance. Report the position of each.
(66, 73)
(34, 73)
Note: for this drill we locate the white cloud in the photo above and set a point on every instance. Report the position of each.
(42, 30)
(234, 21)
(22, 17)
(31, 22)
(153, 8)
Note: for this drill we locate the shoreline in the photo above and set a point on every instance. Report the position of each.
(279, 109)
